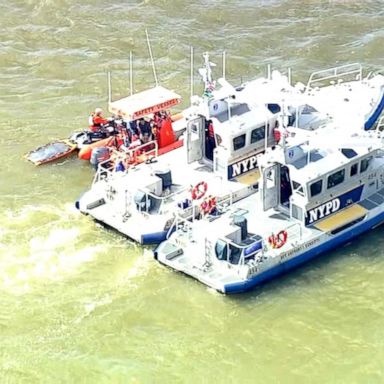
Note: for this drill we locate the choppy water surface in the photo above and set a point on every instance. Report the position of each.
(80, 303)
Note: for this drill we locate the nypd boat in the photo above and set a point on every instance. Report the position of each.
(225, 132)
(314, 196)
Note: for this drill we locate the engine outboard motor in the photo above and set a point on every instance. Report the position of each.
(241, 222)
(166, 177)
(98, 155)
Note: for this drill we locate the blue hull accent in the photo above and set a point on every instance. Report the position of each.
(304, 257)
(153, 238)
(372, 120)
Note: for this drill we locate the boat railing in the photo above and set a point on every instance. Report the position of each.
(183, 204)
(183, 224)
(105, 170)
(133, 154)
(156, 203)
(128, 158)
(294, 234)
(241, 248)
(336, 74)
(224, 203)
(185, 217)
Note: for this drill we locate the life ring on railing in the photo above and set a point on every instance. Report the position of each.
(277, 241)
(208, 205)
(199, 190)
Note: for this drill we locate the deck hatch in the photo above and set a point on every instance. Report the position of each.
(377, 199)
(342, 218)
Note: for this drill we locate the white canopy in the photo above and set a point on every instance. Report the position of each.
(144, 103)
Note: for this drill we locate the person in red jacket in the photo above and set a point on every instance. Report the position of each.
(96, 120)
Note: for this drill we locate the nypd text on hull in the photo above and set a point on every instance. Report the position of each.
(243, 166)
(323, 210)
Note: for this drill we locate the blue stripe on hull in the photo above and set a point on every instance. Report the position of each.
(153, 238)
(372, 120)
(292, 263)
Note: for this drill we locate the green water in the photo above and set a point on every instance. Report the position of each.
(81, 304)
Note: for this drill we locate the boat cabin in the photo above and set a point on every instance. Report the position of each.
(230, 136)
(310, 183)
(146, 104)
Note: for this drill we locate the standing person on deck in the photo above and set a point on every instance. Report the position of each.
(96, 120)
(145, 132)
(210, 143)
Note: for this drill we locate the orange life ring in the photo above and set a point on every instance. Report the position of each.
(277, 241)
(199, 190)
(208, 205)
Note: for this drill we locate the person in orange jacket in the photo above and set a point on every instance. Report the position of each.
(96, 120)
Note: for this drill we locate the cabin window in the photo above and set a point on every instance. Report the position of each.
(316, 187)
(274, 108)
(336, 178)
(364, 164)
(239, 142)
(354, 169)
(271, 177)
(194, 128)
(258, 134)
(348, 153)
(234, 254)
(221, 250)
(297, 187)
(308, 109)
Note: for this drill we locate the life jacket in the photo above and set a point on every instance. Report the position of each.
(211, 133)
(277, 135)
(95, 122)
(98, 120)
(165, 135)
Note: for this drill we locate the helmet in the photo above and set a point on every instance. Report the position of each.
(98, 111)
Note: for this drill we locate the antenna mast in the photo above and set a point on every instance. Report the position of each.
(191, 71)
(224, 56)
(130, 72)
(150, 54)
(109, 88)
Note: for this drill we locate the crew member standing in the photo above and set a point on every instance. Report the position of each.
(209, 139)
(96, 120)
(145, 131)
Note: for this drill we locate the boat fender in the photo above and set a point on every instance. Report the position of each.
(199, 190)
(277, 241)
(96, 204)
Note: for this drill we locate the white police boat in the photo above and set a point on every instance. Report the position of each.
(142, 201)
(314, 196)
